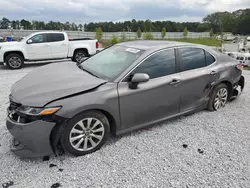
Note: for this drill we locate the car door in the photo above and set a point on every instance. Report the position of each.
(58, 45)
(197, 77)
(153, 100)
(38, 47)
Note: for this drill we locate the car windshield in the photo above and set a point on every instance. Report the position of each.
(112, 61)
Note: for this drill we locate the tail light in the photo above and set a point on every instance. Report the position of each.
(240, 66)
(97, 45)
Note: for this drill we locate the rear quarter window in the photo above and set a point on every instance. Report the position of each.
(209, 58)
(192, 58)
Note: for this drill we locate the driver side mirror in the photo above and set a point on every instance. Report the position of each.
(29, 41)
(138, 78)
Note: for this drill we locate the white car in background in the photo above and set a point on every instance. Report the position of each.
(248, 42)
(244, 58)
(43, 46)
(1, 38)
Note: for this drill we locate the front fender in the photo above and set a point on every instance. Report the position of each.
(8, 50)
(105, 98)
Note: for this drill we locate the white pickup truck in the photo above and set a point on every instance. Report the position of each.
(41, 46)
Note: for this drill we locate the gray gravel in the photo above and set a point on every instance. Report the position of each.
(207, 149)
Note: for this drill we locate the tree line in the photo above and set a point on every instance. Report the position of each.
(236, 22)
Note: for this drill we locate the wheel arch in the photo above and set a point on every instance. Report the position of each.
(56, 132)
(13, 52)
(81, 49)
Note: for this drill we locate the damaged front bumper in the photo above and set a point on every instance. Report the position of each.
(30, 139)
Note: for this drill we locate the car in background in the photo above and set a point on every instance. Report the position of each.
(74, 108)
(41, 46)
(1, 38)
(244, 58)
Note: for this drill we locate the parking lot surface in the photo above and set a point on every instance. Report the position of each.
(206, 149)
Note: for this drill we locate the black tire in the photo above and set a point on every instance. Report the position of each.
(66, 135)
(12, 65)
(213, 95)
(77, 53)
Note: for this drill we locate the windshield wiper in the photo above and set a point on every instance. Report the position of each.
(81, 67)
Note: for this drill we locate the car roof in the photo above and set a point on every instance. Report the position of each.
(45, 32)
(155, 44)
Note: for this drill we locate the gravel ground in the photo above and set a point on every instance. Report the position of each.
(206, 149)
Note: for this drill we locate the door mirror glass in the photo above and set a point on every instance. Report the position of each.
(29, 41)
(139, 78)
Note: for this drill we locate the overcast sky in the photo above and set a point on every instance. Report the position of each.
(85, 11)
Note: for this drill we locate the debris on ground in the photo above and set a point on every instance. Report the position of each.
(8, 184)
(52, 165)
(56, 185)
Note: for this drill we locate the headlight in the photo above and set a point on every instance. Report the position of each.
(38, 111)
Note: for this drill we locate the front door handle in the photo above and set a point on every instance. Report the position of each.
(175, 81)
(213, 73)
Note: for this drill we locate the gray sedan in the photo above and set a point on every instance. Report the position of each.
(74, 108)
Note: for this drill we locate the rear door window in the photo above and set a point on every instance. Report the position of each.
(192, 58)
(55, 37)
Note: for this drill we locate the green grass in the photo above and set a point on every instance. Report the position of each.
(203, 41)
(246, 68)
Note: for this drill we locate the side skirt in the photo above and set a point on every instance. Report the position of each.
(130, 129)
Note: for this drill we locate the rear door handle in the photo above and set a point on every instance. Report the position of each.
(213, 73)
(175, 81)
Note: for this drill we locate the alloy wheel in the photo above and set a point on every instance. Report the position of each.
(220, 98)
(86, 134)
(15, 62)
(79, 57)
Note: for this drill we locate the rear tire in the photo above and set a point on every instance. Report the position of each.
(78, 55)
(218, 98)
(14, 61)
(85, 133)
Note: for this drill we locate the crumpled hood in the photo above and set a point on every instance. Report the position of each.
(51, 82)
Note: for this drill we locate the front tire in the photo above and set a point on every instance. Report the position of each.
(219, 97)
(85, 133)
(14, 61)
